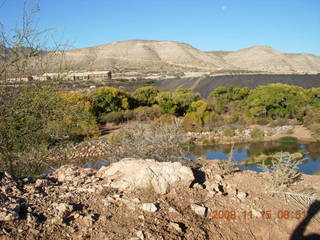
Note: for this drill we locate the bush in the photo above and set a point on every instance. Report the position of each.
(228, 132)
(151, 141)
(177, 102)
(256, 133)
(145, 96)
(108, 99)
(32, 123)
(165, 119)
(278, 101)
(147, 113)
(283, 168)
(112, 117)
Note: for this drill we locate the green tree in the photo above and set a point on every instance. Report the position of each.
(177, 102)
(108, 99)
(145, 96)
(278, 101)
(228, 98)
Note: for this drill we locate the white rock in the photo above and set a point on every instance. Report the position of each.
(200, 210)
(130, 203)
(173, 210)
(198, 186)
(175, 226)
(62, 208)
(149, 207)
(140, 235)
(241, 195)
(131, 174)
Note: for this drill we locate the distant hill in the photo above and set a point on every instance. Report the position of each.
(170, 56)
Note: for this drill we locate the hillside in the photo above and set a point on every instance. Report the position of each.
(142, 54)
(170, 57)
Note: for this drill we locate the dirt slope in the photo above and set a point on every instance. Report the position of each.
(265, 58)
(145, 53)
(77, 203)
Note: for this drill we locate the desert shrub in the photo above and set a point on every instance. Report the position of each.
(278, 122)
(315, 129)
(198, 113)
(128, 115)
(283, 168)
(213, 120)
(117, 117)
(165, 119)
(177, 102)
(312, 120)
(228, 132)
(147, 113)
(39, 120)
(162, 142)
(145, 96)
(227, 165)
(112, 117)
(256, 133)
(108, 99)
(262, 121)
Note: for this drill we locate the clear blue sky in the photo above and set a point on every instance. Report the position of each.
(286, 25)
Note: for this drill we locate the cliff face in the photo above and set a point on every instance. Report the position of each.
(155, 201)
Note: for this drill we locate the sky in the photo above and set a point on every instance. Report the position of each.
(291, 26)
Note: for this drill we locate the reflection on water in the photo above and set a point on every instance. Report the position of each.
(248, 154)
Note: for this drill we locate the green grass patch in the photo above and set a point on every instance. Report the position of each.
(288, 139)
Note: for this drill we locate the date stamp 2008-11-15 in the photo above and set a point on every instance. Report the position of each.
(264, 214)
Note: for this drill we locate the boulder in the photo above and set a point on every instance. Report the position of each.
(200, 210)
(131, 174)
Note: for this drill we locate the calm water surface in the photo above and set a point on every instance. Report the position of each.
(245, 154)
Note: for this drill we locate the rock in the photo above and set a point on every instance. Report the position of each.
(130, 203)
(149, 207)
(132, 174)
(8, 215)
(70, 173)
(140, 235)
(175, 226)
(198, 186)
(200, 210)
(241, 195)
(63, 209)
(173, 210)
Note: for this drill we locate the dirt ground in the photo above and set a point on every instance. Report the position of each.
(235, 205)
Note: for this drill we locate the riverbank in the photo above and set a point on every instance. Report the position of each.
(251, 134)
(196, 200)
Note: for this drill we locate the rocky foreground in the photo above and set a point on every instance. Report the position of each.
(144, 199)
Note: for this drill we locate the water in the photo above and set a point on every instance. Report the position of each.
(246, 154)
